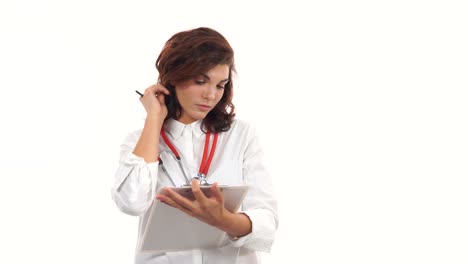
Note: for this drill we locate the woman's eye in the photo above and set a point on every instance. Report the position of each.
(199, 82)
(220, 86)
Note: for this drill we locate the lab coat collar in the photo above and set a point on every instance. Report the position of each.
(176, 128)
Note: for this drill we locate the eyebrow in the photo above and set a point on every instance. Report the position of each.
(208, 78)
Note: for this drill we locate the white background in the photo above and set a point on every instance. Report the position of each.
(362, 108)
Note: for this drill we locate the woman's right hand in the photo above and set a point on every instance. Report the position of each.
(153, 101)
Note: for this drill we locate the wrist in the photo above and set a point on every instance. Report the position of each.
(235, 224)
(226, 220)
(154, 120)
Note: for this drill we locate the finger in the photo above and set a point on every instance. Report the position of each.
(179, 199)
(149, 92)
(167, 200)
(197, 192)
(162, 99)
(162, 89)
(156, 89)
(217, 193)
(151, 89)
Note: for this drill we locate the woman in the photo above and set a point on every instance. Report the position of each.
(191, 103)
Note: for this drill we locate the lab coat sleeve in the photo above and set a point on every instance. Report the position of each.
(260, 203)
(135, 180)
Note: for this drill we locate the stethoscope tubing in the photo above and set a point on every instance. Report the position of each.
(205, 163)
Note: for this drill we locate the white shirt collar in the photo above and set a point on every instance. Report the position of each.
(176, 128)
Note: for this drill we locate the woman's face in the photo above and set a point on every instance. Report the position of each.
(199, 96)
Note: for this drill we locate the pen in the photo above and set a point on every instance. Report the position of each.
(141, 95)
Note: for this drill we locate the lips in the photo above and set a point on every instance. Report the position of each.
(204, 107)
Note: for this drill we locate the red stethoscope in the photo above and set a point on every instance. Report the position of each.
(205, 162)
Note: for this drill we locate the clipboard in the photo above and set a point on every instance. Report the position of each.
(169, 229)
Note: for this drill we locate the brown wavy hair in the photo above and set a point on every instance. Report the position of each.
(185, 56)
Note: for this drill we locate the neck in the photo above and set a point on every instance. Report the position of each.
(186, 120)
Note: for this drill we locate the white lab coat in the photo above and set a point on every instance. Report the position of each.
(237, 161)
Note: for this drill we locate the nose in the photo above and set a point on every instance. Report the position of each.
(210, 92)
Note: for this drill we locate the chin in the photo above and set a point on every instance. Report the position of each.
(198, 116)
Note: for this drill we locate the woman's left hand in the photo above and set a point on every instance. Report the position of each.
(207, 209)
